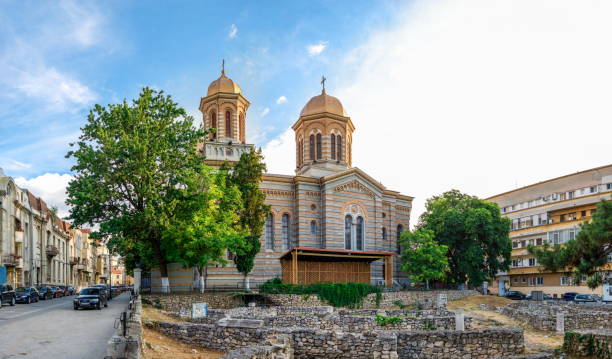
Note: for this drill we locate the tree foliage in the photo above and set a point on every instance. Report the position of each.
(587, 253)
(422, 258)
(246, 176)
(474, 232)
(133, 162)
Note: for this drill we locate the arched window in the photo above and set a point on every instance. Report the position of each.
(333, 146)
(300, 152)
(348, 230)
(286, 231)
(270, 231)
(339, 144)
(400, 229)
(242, 128)
(319, 147)
(311, 150)
(228, 124)
(359, 234)
(313, 227)
(213, 124)
(384, 233)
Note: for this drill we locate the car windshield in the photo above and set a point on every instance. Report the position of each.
(21, 290)
(90, 291)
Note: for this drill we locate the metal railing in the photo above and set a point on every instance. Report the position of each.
(212, 285)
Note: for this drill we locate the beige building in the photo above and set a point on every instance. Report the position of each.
(549, 212)
(329, 221)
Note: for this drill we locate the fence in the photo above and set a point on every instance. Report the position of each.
(211, 285)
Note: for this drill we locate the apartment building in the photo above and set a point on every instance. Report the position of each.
(549, 212)
(37, 247)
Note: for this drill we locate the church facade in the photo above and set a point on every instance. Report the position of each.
(329, 211)
(329, 221)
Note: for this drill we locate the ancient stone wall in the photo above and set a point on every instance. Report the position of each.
(175, 302)
(314, 343)
(543, 316)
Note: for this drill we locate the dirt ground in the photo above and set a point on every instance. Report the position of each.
(158, 346)
(535, 340)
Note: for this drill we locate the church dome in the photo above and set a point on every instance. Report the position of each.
(323, 103)
(223, 84)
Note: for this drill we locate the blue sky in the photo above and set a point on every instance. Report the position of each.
(61, 58)
(478, 95)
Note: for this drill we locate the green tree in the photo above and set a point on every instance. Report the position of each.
(247, 175)
(475, 233)
(132, 162)
(587, 253)
(422, 258)
(206, 224)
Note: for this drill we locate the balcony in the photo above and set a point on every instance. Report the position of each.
(11, 260)
(74, 261)
(52, 250)
(19, 236)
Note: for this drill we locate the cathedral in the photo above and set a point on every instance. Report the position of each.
(329, 222)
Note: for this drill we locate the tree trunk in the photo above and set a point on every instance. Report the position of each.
(247, 285)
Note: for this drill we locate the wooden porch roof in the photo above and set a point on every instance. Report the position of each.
(335, 255)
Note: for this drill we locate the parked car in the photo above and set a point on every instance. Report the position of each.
(545, 297)
(66, 290)
(92, 297)
(7, 295)
(26, 295)
(569, 296)
(106, 289)
(57, 292)
(71, 290)
(516, 295)
(586, 298)
(45, 293)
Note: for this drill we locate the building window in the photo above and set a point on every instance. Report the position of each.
(538, 241)
(523, 280)
(228, 124)
(286, 231)
(400, 229)
(313, 206)
(319, 147)
(339, 147)
(348, 229)
(532, 262)
(565, 280)
(359, 234)
(514, 244)
(609, 186)
(270, 231)
(311, 149)
(313, 227)
(333, 146)
(583, 213)
(539, 280)
(384, 233)
(593, 189)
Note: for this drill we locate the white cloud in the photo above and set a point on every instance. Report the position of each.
(264, 112)
(280, 100)
(84, 22)
(477, 95)
(279, 154)
(233, 33)
(316, 49)
(14, 165)
(56, 88)
(51, 187)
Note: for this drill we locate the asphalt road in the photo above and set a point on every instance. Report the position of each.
(53, 329)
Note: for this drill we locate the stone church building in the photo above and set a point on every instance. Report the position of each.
(329, 221)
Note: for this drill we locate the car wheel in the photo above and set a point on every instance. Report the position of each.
(12, 301)
(75, 307)
(98, 307)
(105, 305)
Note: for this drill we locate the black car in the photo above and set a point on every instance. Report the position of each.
(515, 294)
(569, 296)
(45, 292)
(26, 295)
(92, 297)
(106, 289)
(7, 295)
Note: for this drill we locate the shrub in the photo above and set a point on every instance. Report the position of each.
(348, 295)
(384, 320)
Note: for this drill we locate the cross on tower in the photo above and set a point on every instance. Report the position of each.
(323, 79)
(223, 67)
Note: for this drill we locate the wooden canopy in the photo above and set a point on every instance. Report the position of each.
(302, 265)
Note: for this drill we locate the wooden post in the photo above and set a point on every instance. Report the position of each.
(389, 271)
(294, 267)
